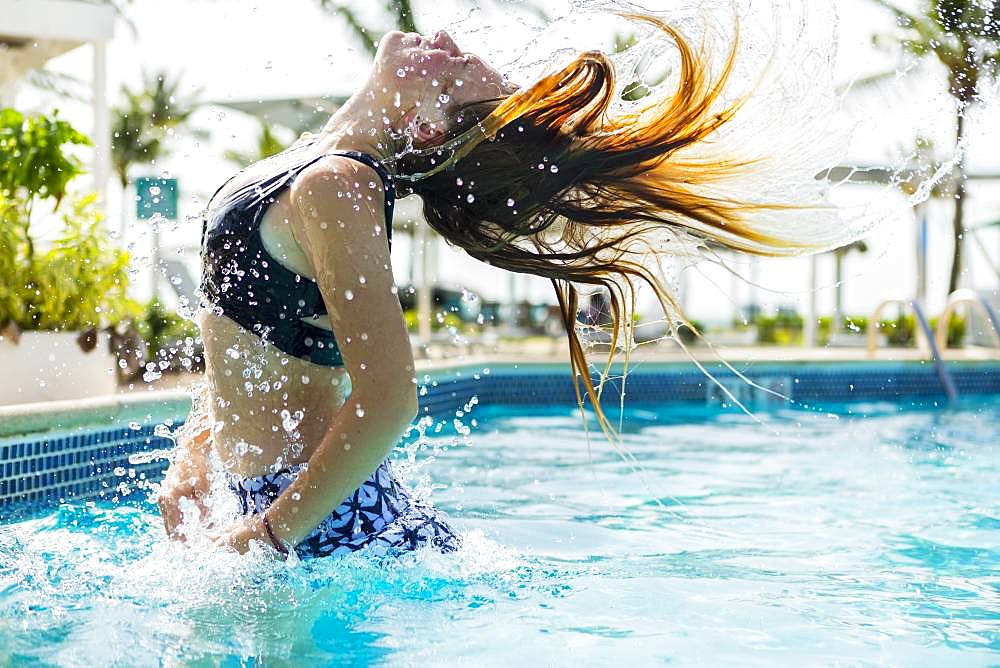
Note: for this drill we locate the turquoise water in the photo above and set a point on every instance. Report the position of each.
(865, 535)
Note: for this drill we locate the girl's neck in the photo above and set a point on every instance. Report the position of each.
(365, 123)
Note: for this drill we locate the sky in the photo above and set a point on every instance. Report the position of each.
(258, 49)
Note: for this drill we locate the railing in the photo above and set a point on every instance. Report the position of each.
(924, 329)
(974, 299)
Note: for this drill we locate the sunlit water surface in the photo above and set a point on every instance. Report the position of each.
(869, 534)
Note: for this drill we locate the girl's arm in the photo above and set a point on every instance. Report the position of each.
(187, 476)
(342, 230)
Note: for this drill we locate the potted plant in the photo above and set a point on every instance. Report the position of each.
(57, 299)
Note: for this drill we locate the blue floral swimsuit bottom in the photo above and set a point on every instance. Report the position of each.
(381, 516)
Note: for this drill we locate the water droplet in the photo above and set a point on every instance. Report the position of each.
(305, 380)
(459, 83)
(290, 421)
(459, 181)
(444, 98)
(348, 295)
(359, 411)
(554, 169)
(510, 202)
(470, 198)
(400, 73)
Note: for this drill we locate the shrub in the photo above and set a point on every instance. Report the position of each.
(79, 281)
(164, 329)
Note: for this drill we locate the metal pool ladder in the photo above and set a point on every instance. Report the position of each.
(972, 298)
(947, 384)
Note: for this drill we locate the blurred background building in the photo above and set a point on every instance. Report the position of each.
(164, 93)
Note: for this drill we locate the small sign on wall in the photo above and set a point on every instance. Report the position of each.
(154, 195)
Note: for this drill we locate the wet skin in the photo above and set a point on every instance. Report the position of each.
(251, 437)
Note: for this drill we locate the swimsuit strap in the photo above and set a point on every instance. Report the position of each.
(387, 182)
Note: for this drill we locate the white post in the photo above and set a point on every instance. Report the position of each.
(102, 125)
(809, 326)
(511, 303)
(424, 286)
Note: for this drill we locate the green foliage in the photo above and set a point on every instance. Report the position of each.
(956, 329)
(80, 282)
(899, 332)
(164, 329)
(782, 329)
(639, 88)
(268, 144)
(685, 332)
(439, 320)
(856, 324)
(400, 14)
(963, 34)
(33, 160)
(12, 259)
(142, 122)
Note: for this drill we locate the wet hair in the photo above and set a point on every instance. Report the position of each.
(549, 182)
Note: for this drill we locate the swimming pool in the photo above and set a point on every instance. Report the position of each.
(862, 532)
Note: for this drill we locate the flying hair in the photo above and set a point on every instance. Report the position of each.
(550, 182)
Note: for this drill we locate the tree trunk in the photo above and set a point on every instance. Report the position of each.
(957, 225)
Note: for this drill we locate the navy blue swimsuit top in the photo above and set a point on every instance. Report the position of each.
(253, 288)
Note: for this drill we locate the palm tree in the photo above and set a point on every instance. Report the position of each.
(142, 122)
(964, 36)
(400, 14)
(268, 144)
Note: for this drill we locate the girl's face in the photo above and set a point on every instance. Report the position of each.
(430, 78)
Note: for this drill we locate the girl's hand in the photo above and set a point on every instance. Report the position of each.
(175, 487)
(238, 536)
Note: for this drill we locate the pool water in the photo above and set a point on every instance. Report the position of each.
(857, 534)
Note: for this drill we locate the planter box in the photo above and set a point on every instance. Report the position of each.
(49, 366)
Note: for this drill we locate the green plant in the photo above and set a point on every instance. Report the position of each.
(899, 332)
(268, 144)
(439, 320)
(80, 282)
(956, 329)
(685, 332)
(964, 36)
(782, 329)
(146, 117)
(400, 14)
(34, 165)
(12, 260)
(163, 329)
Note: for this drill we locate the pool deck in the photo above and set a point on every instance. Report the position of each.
(554, 352)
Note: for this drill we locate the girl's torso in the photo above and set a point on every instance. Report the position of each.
(271, 408)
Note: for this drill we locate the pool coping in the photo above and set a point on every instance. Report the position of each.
(108, 411)
(174, 404)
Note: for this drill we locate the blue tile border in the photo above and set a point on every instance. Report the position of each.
(42, 470)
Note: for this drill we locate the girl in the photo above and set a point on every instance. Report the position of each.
(309, 368)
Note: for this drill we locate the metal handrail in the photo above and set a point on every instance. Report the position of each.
(947, 384)
(973, 298)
